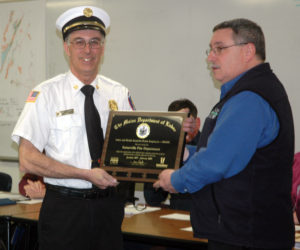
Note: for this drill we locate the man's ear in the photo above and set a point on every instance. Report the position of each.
(250, 51)
(66, 48)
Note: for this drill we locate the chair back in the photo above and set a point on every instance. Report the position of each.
(5, 182)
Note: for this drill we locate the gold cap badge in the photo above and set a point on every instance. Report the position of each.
(88, 12)
(113, 105)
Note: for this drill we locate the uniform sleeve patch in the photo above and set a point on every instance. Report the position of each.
(131, 102)
(32, 96)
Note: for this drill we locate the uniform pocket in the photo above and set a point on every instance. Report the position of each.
(67, 133)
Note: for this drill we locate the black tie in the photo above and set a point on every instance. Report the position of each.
(93, 125)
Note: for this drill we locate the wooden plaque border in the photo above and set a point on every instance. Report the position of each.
(139, 174)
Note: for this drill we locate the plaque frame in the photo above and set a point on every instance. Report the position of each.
(137, 173)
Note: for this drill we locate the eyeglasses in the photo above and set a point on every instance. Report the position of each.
(93, 43)
(137, 206)
(218, 50)
(140, 207)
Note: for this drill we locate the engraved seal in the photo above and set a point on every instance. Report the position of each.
(143, 130)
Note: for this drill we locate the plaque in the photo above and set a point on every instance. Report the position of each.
(139, 145)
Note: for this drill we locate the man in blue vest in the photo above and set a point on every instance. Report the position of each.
(240, 173)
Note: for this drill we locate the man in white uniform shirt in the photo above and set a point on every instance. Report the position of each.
(81, 208)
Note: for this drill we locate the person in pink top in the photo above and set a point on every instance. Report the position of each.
(32, 186)
(296, 187)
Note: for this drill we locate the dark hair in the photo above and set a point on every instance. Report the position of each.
(183, 103)
(246, 31)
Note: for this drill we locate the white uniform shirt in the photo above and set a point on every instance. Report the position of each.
(54, 120)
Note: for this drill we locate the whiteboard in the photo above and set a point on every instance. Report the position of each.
(22, 63)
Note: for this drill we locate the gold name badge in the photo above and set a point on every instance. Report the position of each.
(65, 112)
(113, 105)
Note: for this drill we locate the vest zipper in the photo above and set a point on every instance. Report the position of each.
(215, 203)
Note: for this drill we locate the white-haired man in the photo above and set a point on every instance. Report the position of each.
(66, 117)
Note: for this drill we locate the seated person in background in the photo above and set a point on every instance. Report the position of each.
(296, 188)
(155, 197)
(32, 186)
(186, 106)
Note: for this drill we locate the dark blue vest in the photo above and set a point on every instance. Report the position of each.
(252, 208)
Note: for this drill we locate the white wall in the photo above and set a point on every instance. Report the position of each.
(157, 48)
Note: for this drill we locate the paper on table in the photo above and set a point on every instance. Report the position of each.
(12, 196)
(297, 227)
(188, 229)
(33, 201)
(176, 216)
(131, 210)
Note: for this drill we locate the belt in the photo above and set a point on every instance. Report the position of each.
(91, 193)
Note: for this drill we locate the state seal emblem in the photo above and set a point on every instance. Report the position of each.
(143, 130)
